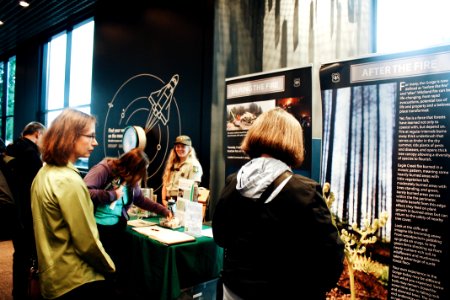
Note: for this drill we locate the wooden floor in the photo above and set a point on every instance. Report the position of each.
(6, 252)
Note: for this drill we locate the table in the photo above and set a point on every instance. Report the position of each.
(159, 271)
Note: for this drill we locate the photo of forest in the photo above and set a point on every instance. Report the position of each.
(357, 162)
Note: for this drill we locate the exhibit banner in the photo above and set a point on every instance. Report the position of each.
(249, 96)
(386, 156)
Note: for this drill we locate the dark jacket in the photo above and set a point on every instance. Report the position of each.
(98, 180)
(8, 214)
(285, 249)
(27, 162)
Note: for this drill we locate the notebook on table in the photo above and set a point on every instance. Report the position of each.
(164, 235)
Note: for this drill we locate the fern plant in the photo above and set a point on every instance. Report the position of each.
(356, 240)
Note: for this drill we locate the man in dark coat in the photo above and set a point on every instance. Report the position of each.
(27, 161)
(7, 205)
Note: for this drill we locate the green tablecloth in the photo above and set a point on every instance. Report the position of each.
(159, 271)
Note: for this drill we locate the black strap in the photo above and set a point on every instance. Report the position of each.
(281, 178)
(274, 185)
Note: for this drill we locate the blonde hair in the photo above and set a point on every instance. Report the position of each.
(173, 159)
(278, 134)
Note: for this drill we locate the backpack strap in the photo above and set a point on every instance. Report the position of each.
(266, 194)
(281, 178)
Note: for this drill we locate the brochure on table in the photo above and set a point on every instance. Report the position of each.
(187, 211)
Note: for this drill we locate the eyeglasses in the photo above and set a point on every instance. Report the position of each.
(90, 136)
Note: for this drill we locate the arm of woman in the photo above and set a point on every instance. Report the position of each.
(325, 247)
(164, 195)
(195, 171)
(147, 204)
(96, 181)
(76, 210)
(222, 222)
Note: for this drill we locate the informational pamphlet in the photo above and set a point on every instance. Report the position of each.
(189, 213)
(193, 218)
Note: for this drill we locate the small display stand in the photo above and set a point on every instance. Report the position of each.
(188, 211)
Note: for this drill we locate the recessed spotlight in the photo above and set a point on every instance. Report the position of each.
(24, 3)
(1, 23)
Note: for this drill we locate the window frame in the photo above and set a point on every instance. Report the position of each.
(86, 107)
(7, 99)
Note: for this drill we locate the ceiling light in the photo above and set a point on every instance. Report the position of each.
(1, 23)
(24, 3)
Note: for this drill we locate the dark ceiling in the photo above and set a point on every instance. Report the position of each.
(41, 18)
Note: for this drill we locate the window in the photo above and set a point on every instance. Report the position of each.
(7, 96)
(2, 88)
(404, 25)
(68, 72)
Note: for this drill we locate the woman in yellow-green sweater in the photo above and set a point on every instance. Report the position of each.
(72, 260)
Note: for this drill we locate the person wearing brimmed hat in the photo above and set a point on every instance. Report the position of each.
(182, 163)
(183, 139)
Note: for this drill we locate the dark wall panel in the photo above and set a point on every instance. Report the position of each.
(27, 107)
(139, 50)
